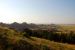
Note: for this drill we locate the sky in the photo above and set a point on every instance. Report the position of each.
(38, 11)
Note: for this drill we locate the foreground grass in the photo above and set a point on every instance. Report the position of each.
(54, 45)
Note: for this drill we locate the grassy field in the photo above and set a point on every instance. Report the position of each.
(68, 27)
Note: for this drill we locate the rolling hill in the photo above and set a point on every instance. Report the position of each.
(13, 40)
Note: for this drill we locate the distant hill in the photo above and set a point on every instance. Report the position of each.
(22, 26)
(19, 27)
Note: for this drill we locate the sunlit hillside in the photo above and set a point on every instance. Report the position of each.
(13, 40)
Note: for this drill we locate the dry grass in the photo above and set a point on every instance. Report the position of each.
(54, 45)
(68, 27)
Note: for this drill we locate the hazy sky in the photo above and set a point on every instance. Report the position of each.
(37, 11)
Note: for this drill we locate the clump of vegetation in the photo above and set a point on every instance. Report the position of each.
(54, 34)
